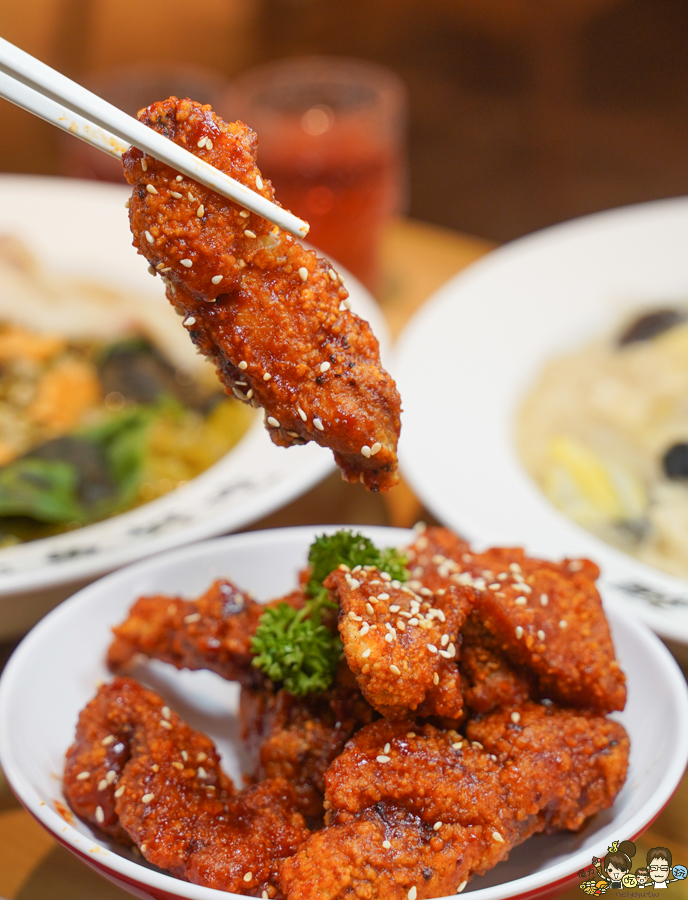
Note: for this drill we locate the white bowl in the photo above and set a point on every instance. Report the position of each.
(81, 228)
(55, 670)
(467, 358)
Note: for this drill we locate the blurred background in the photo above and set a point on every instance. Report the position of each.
(522, 113)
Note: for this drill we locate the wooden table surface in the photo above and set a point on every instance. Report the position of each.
(418, 258)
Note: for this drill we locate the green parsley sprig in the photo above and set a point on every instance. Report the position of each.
(293, 647)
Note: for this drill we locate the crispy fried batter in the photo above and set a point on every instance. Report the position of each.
(271, 315)
(541, 615)
(489, 682)
(401, 646)
(298, 738)
(548, 770)
(169, 796)
(213, 632)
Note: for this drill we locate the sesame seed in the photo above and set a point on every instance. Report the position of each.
(187, 263)
(194, 617)
(144, 165)
(176, 195)
(383, 596)
(208, 144)
(243, 365)
(241, 263)
(437, 826)
(389, 637)
(110, 739)
(185, 756)
(201, 757)
(365, 451)
(521, 601)
(476, 745)
(248, 876)
(151, 189)
(249, 234)
(147, 798)
(166, 724)
(461, 887)
(201, 772)
(82, 776)
(457, 745)
(544, 599)
(332, 274)
(190, 197)
(155, 767)
(432, 648)
(413, 893)
(119, 791)
(366, 653)
(238, 394)
(272, 421)
(515, 717)
(413, 621)
(519, 632)
(382, 758)
(127, 204)
(103, 784)
(165, 712)
(386, 845)
(324, 366)
(249, 393)
(395, 670)
(303, 272)
(369, 609)
(563, 623)
(201, 143)
(497, 837)
(265, 895)
(365, 628)
(377, 446)
(318, 424)
(259, 182)
(179, 178)
(189, 321)
(444, 640)
(149, 237)
(541, 634)
(100, 815)
(435, 679)
(244, 214)
(302, 414)
(267, 376)
(200, 211)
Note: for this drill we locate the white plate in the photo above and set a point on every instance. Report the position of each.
(81, 228)
(467, 358)
(54, 672)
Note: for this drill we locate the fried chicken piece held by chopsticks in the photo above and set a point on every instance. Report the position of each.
(272, 316)
(139, 773)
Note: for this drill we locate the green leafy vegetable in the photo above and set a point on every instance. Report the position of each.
(293, 647)
(296, 649)
(344, 547)
(44, 489)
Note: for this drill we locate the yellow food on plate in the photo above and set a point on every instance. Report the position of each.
(604, 432)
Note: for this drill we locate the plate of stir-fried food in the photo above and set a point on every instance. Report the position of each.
(117, 438)
(387, 714)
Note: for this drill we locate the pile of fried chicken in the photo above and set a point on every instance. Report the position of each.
(271, 315)
(468, 712)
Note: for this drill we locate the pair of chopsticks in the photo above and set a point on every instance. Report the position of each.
(35, 87)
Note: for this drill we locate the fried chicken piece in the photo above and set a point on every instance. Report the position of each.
(544, 616)
(400, 645)
(457, 806)
(272, 316)
(213, 632)
(488, 680)
(298, 738)
(152, 780)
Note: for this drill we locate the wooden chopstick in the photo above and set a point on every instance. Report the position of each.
(29, 83)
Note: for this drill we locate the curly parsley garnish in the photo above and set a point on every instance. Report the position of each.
(292, 646)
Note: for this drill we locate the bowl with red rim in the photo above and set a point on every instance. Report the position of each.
(56, 669)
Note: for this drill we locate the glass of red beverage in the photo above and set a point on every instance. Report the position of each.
(331, 136)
